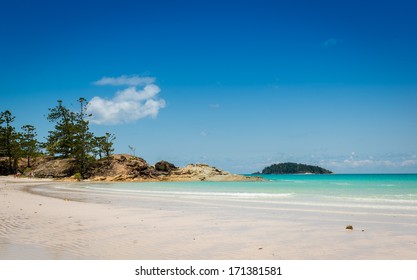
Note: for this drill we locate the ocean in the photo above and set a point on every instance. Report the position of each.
(378, 194)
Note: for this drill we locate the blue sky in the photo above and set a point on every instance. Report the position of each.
(236, 84)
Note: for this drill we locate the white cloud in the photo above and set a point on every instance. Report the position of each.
(409, 162)
(360, 163)
(125, 80)
(132, 94)
(128, 105)
(384, 162)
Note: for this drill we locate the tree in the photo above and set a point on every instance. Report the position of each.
(107, 144)
(103, 145)
(8, 140)
(72, 137)
(28, 143)
(2, 137)
(97, 149)
(132, 150)
(294, 168)
(61, 140)
(84, 139)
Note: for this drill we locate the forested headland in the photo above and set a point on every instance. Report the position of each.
(70, 138)
(72, 151)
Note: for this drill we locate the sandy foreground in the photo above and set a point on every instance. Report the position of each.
(82, 225)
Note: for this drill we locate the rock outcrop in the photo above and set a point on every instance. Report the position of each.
(165, 167)
(121, 168)
(53, 168)
(201, 172)
(131, 168)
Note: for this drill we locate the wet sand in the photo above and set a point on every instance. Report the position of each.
(38, 221)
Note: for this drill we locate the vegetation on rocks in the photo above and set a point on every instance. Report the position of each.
(72, 151)
(15, 145)
(71, 139)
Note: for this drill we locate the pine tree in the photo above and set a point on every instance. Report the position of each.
(107, 144)
(28, 144)
(103, 145)
(61, 140)
(83, 138)
(8, 141)
(72, 137)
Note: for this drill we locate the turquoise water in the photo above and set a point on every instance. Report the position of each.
(382, 191)
(385, 200)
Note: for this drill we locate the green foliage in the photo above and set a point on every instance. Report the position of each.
(9, 145)
(61, 140)
(107, 144)
(104, 145)
(15, 145)
(83, 144)
(294, 168)
(78, 176)
(72, 137)
(28, 143)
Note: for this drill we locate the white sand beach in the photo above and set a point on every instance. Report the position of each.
(90, 225)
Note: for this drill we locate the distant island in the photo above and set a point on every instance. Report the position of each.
(294, 168)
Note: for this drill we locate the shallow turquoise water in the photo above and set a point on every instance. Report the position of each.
(389, 190)
(386, 201)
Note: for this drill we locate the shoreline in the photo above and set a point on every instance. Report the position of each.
(75, 224)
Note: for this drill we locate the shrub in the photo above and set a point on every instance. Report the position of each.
(78, 177)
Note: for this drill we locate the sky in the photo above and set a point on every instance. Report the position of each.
(235, 84)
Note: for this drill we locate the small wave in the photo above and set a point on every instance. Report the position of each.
(349, 205)
(342, 184)
(186, 193)
(408, 201)
(399, 199)
(290, 181)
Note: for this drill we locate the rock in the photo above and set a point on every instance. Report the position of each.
(126, 165)
(147, 172)
(131, 168)
(55, 168)
(165, 166)
(204, 172)
(100, 178)
(201, 170)
(118, 178)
